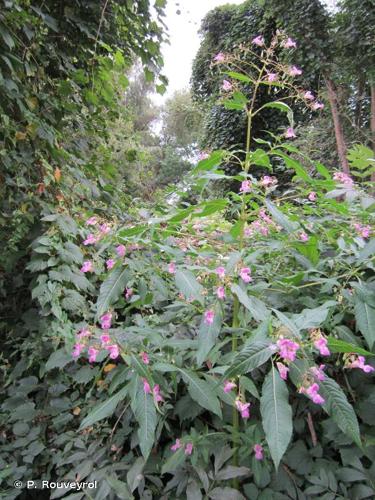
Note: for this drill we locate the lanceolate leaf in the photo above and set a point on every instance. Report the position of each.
(365, 317)
(337, 345)
(339, 409)
(280, 218)
(276, 415)
(188, 285)
(111, 289)
(207, 336)
(145, 413)
(201, 392)
(105, 409)
(257, 308)
(251, 356)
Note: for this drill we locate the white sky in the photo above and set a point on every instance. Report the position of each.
(184, 39)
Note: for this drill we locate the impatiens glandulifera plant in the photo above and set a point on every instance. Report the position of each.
(236, 314)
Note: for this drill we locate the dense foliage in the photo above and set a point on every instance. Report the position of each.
(221, 348)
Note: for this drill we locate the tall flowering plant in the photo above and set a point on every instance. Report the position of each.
(220, 327)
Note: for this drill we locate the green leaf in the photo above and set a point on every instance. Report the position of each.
(312, 318)
(207, 336)
(337, 345)
(257, 308)
(238, 101)
(281, 219)
(276, 415)
(287, 322)
(239, 76)
(209, 163)
(111, 289)
(174, 461)
(188, 285)
(339, 409)
(309, 249)
(252, 355)
(365, 318)
(144, 410)
(104, 410)
(58, 359)
(282, 106)
(201, 392)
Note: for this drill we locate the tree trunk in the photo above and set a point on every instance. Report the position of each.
(339, 134)
(373, 123)
(359, 103)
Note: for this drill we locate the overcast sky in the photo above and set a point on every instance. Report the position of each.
(183, 18)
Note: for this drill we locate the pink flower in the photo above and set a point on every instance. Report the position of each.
(172, 268)
(308, 95)
(158, 397)
(312, 196)
(290, 134)
(317, 105)
(92, 221)
(245, 274)
(289, 43)
(318, 372)
(268, 181)
(220, 271)
(363, 231)
(146, 387)
(87, 267)
(258, 449)
(220, 57)
(92, 354)
(177, 445)
(203, 155)
(113, 351)
(227, 85)
(283, 370)
(360, 363)
(110, 263)
(77, 350)
(189, 449)
(104, 228)
(209, 317)
(287, 349)
(321, 345)
(120, 250)
(105, 338)
(84, 332)
(272, 77)
(243, 408)
(228, 386)
(258, 40)
(343, 178)
(245, 186)
(312, 391)
(105, 321)
(303, 236)
(128, 293)
(90, 240)
(145, 358)
(294, 71)
(220, 292)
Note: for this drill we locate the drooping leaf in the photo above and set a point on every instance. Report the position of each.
(257, 308)
(365, 318)
(188, 285)
(339, 409)
(276, 415)
(281, 219)
(252, 356)
(207, 336)
(104, 410)
(111, 289)
(201, 392)
(144, 410)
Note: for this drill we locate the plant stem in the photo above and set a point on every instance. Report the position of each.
(235, 419)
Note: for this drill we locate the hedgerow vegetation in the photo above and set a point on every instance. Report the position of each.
(188, 294)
